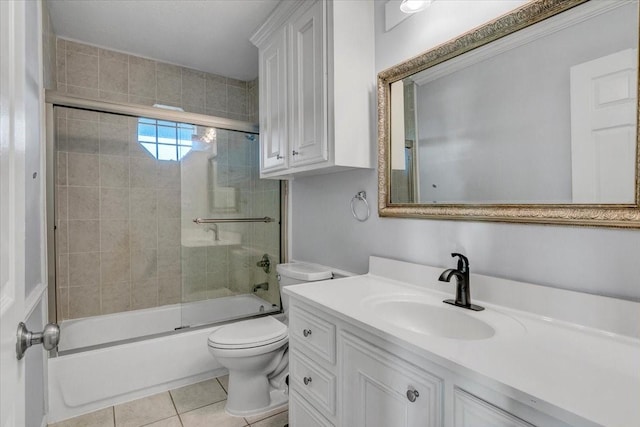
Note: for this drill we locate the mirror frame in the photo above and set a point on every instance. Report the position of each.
(600, 215)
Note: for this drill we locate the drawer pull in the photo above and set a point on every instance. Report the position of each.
(412, 394)
(306, 332)
(279, 157)
(295, 153)
(307, 381)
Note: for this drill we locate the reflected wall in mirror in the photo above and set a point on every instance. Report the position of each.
(530, 118)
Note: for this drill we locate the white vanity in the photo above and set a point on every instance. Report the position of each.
(383, 350)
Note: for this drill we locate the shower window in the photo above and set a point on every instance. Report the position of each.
(165, 140)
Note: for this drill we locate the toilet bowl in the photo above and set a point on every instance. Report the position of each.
(255, 351)
(251, 350)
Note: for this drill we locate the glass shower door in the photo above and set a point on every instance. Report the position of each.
(128, 255)
(227, 261)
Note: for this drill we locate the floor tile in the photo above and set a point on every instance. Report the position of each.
(101, 418)
(279, 420)
(211, 415)
(198, 395)
(257, 418)
(167, 422)
(144, 411)
(224, 382)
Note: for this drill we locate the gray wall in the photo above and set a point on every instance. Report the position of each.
(594, 260)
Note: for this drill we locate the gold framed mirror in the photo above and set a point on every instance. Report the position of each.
(531, 118)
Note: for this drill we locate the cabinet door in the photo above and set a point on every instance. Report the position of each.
(471, 411)
(308, 142)
(380, 390)
(273, 104)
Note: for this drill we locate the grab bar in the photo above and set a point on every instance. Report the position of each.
(224, 220)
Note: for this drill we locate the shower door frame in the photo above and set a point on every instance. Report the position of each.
(55, 99)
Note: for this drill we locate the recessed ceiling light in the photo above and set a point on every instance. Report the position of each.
(413, 6)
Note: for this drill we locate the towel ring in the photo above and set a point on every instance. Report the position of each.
(360, 195)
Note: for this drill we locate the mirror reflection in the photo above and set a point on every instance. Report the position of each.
(546, 115)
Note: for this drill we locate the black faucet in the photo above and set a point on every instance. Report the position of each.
(463, 296)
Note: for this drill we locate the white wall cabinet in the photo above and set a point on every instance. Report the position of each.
(317, 85)
(342, 375)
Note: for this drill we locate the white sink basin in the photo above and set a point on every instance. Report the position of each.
(429, 316)
(428, 319)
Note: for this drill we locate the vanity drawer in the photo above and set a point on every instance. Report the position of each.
(303, 414)
(471, 411)
(313, 382)
(316, 334)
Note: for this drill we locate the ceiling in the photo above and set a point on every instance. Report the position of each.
(206, 35)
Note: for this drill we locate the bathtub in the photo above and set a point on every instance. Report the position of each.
(103, 361)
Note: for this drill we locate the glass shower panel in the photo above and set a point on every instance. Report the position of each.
(228, 264)
(128, 254)
(117, 213)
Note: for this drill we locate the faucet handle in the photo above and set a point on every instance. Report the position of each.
(463, 262)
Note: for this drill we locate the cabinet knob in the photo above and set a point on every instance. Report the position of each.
(307, 381)
(412, 394)
(306, 332)
(295, 153)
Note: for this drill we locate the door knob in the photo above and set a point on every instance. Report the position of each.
(49, 338)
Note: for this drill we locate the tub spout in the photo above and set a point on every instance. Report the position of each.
(261, 286)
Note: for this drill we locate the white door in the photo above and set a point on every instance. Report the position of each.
(603, 129)
(12, 203)
(273, 108)
(308, 91)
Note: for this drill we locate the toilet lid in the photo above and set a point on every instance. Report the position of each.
(248, 333)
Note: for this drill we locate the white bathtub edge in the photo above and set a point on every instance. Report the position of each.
(87, 381)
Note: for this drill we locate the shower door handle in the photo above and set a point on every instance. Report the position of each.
(49, 338)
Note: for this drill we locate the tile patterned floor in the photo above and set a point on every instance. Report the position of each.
(196, 405)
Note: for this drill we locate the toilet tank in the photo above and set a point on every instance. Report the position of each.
(294, 273)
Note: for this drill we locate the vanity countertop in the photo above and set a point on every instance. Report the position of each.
(592, 373)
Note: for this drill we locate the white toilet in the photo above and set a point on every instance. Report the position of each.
(255, 350)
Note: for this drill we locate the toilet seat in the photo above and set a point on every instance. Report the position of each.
(248, 334)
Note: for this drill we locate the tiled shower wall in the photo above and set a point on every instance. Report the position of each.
(96, 73)
(118, 218)
(48, 49)
(119, 210)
